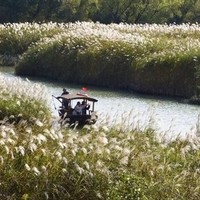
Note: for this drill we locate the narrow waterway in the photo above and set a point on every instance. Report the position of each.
(167, 116)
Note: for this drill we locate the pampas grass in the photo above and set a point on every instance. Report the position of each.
(41, 161)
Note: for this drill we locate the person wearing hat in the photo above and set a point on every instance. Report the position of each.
(65, 91)
(65, 102)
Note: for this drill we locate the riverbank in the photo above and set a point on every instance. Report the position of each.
(151, 59)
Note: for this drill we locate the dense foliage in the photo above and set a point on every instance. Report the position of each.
(42, 161)
(155, 59)
(104, 11)
(39, 160)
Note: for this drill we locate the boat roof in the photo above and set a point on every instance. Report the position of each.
(77, 96)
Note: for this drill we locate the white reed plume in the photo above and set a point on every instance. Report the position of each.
(79, 169)
(86, 164)
(124, 160)
(39, 123)
(36, 171)
(32, 147)
(27, 167)
(41, 138)
(19, 87)
(20, 149)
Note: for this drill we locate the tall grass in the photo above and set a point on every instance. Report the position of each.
(41, 161)
(156, 59)
(21, 100)
(17, 37)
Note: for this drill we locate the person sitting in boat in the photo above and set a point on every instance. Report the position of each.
(77, 109)
(85, 107)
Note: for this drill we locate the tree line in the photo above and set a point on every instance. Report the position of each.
(104, 11)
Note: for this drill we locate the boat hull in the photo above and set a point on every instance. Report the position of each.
(79, 120)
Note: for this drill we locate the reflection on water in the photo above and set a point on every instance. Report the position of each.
(131, 110)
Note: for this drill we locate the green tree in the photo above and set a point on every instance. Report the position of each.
(13, 10)
(28, 10)
(147, 11)
(43, 10)
(186, 11)
(77, 10)
(86, 9)
(68, 10)
(104, 11)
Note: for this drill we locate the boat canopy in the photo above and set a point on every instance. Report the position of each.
(77, 96)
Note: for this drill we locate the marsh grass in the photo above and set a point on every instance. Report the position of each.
(96, 164)
(17, 37)
(41, 161)
(155, 59)
(145, 58)
(20, 100)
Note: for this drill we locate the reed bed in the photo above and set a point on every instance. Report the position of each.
(155, 59)
(41, 161)
(149, 58)
(22, 100)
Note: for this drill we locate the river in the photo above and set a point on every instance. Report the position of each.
(168, 116)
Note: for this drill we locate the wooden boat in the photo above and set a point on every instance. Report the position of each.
(67, 111)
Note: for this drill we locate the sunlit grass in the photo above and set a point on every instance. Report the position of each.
(41, 161)
(149, 58)
(22, 100)
(155, 59)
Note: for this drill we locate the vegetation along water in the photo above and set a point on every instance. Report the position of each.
(39, 159)
(153, 59)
